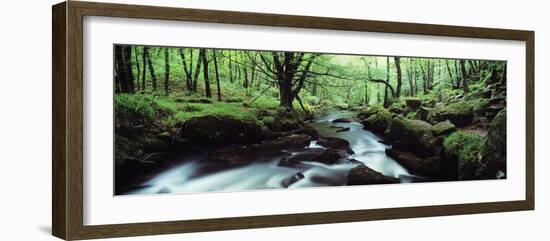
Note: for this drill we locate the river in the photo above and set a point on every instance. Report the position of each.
(194, 175)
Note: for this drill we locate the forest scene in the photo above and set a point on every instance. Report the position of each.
(191, 120)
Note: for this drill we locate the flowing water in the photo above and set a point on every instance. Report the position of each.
(192, 175)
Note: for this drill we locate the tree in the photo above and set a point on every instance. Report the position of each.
(207, 91)
(217, 75)
(398, 67)
(151, 69)
(386, 99)
(144, 61)
(124, 77)
(137, 67)
(188, 77)
(464, 75)
(290, 71)
(198, 69)
(166, 70)
(449, 72)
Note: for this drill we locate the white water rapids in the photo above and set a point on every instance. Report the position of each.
(189, 177)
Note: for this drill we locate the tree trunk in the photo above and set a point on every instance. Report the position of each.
(125, 77)
(457, 73)
(399, 76)
(464, 76)
(151, 69)
(144, 75)
(187, 73)
(207, 91)
(198, 69)
(137, 67)
(230, 63)
(449, 71)
(217, 75)
(386, 99)
(410, 77)
(166, 70)
(120, 76)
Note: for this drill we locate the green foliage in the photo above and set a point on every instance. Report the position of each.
(143, 107)
(465, 145)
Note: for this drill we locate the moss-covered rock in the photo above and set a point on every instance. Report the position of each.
(459, 113)
(479, 106)
(427, 166)
(412, 135)
(465, 148)
(218, 130)
(367, 112)
(363, 175)
(494, 152)
(378, 122)
(335, 143)
(413, 102)
(443, 128)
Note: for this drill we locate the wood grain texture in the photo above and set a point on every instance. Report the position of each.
(59, 193)
(67, 78)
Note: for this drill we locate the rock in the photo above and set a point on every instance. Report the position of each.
(412, 135)
(218, 130)
(342, 129)
(335, 143)
(493, 109)
(367, 112)
(378, 122)
(291, 141)
(427, 166)
(239, 155)
(413, 103)
(328, 156)
(292, 179)
(494, 152)
(459, 113)
(363, 175)
(342, 120)
(443, 128)
(464, 149)
(479, 106)
(307, 155)
(284, 120)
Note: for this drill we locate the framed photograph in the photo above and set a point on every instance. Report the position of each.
(171, 120)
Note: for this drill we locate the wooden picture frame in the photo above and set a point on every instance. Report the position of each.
(67, 77)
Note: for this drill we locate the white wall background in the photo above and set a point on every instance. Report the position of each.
(25, 120)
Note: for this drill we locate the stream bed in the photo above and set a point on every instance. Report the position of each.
(193, 175)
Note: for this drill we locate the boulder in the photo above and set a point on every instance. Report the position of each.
(378, 121)
(367, 112)
(432, 166)
(443, 128)
(290, 141)
(307, 155)
(363, 175)
(412, 135)
(464, 149)
(292, 179)
(413, 103)
(239, 154)
(494, 152)
(342, 129)
(335, 143)
(328, 156)
(459, 113)
(221, 130)
(342, 120)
